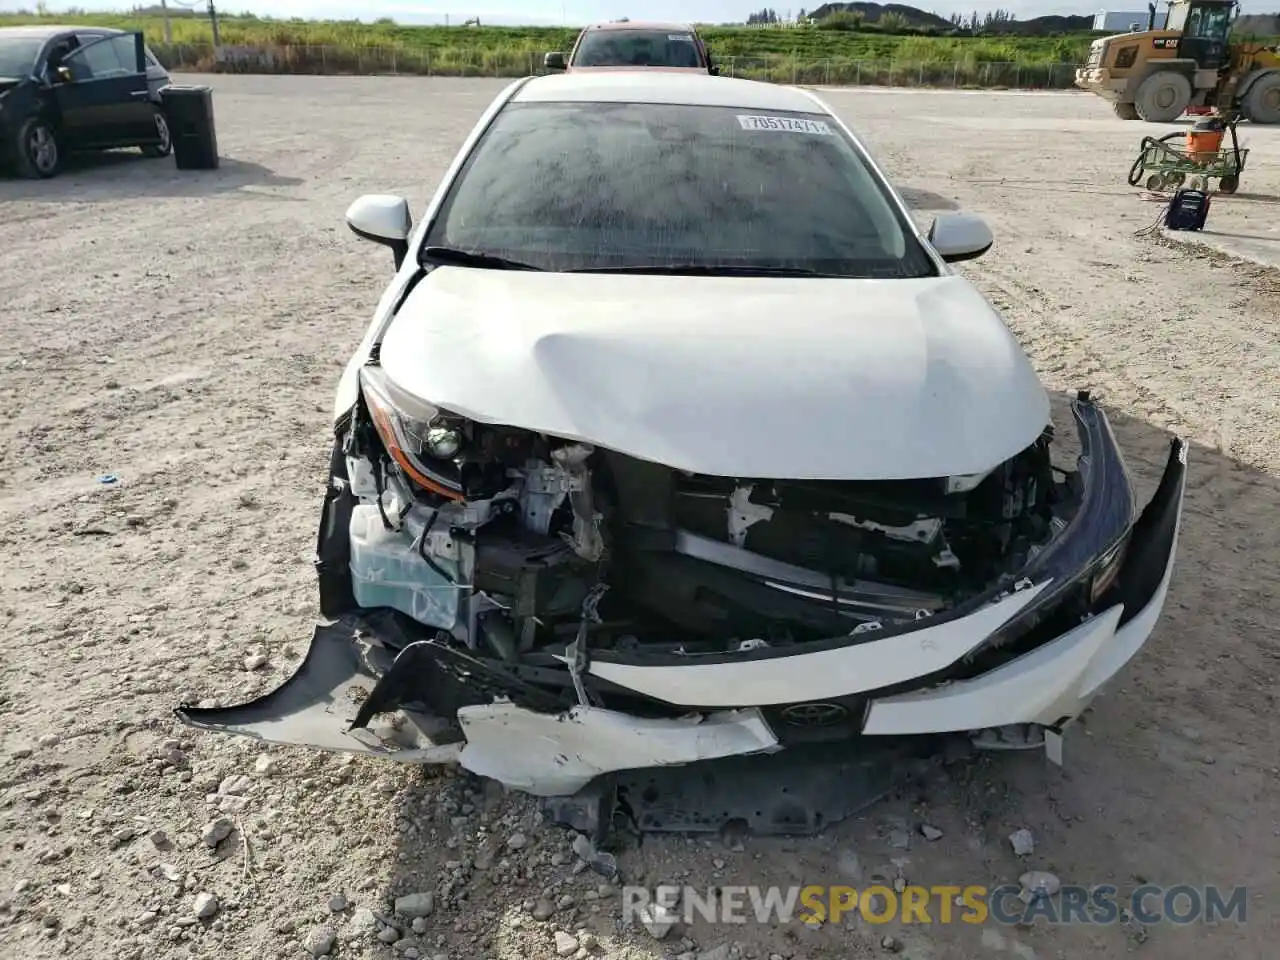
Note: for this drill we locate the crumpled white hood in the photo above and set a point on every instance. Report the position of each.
(746, 377)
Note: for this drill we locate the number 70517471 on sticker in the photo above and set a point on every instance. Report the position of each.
(784, 124)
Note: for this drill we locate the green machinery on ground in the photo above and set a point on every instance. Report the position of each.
(1191, 158)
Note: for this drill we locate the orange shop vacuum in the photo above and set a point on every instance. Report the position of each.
(1204, 139)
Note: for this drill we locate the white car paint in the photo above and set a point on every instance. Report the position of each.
(941, 388)
(381, 215)
(621, 88)
(1056, 680)
(556, 755)
(821, 675)
(617, 86)
(728, 376)
(349, 384)
(552, 755)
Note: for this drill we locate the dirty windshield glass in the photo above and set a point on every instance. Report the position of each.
(580, 186)
(1206, 23)
(18, 56)
(637, 48)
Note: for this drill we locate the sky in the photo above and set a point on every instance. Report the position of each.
(582, 11)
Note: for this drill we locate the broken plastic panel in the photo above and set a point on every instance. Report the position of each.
(317, 705)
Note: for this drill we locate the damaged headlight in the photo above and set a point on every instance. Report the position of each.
(414, 434)
(443, 442)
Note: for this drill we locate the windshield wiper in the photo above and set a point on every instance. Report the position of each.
(452, 256)
(711, 270)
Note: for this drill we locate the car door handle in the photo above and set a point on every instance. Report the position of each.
(139, 93)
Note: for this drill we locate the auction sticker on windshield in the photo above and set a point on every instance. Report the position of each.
(786, 124)
(686, 37)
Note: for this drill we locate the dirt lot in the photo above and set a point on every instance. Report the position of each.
(185, 332)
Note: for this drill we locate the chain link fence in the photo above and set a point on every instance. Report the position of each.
(456, 62)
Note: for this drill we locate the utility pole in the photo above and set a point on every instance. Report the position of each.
(213, 22)
(168, 30)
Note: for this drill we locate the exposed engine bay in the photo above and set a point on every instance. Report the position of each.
(521, 546)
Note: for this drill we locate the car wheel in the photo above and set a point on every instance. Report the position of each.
(1262, 102)
(1163, 97)
(36, 150)
(165, 146)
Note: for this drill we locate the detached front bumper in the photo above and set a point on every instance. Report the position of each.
(349, 668)
(377, 684)
(1052, 684)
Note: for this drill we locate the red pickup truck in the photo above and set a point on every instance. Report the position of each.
(628, 45)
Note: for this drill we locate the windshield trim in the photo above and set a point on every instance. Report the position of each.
(912, 237)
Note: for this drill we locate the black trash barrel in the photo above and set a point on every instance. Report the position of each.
(190, 114)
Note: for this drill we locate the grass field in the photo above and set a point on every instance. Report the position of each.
(801, 44)
(800, 55)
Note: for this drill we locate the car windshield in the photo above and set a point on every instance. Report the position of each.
(609, 186)
(637, 48)
(18, 55)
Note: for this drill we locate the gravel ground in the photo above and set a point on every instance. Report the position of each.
(185, 332)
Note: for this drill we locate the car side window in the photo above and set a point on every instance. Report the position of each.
(58, 54)
(103, 59)
(125, 49)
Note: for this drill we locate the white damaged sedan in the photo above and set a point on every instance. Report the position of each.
(673, 439)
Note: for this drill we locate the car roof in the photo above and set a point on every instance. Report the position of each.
(685, 89)
(659, 25)
(44, 32)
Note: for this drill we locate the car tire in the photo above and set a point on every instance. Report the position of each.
(36, 151)
(1262, 102)
(1163, 97)
(165, 146)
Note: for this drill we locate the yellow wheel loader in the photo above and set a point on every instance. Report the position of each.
(1191, 64)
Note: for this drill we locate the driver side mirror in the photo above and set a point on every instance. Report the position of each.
(554, 61)
(62, 75)
(382, 219)
(960, 236)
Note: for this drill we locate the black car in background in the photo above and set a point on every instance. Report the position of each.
(64, 89)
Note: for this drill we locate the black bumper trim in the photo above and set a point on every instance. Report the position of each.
(1152, 542)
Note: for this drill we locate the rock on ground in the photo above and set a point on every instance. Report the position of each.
(416, 905)
(217, 831)
(319, 941)
(1022, 842)
(205, 906)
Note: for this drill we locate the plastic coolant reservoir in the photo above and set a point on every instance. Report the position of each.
(387, 572)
